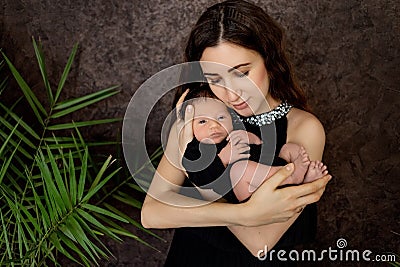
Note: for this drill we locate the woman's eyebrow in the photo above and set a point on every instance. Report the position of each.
(231, 69)
(238, 66)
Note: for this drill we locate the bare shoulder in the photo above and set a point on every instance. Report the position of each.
(300, 120)
(305, 129)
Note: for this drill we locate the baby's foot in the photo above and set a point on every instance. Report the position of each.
(316, 170)
(301, 164)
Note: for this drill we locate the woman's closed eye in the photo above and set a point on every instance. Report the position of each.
(214, 80)
(241, 74)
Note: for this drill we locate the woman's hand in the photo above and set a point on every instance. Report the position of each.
(268, 204)
(184, 126)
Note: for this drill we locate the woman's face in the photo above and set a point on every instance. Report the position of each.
(238, 77)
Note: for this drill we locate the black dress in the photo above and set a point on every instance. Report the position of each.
(217, 246)
(206, 170)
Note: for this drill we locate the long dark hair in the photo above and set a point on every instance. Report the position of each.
(247, 25)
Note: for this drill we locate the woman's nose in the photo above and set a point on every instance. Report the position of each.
(231, 90)
(231, 95)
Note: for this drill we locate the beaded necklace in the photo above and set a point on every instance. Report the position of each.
(268, 117)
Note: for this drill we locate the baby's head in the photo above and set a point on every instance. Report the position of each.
(212, 121)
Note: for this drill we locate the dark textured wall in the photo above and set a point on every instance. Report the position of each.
(346, 54)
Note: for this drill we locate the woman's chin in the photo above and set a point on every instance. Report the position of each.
(245, 112)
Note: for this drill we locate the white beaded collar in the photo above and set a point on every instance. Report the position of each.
(268, 117)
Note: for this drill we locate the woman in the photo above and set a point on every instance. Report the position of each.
(246, 44)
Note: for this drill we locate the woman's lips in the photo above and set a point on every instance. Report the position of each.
(240, 106)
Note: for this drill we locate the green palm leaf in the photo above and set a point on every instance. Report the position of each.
(16, 118)
(65, 72)
(103, 211)
(14, 143)
(62, 189)
(34, 103)
(67, 217)
(89, 218)
(42, 67)
(80, 124)
(79, 103)
(17, 132)
(133, 222)
(4, 237)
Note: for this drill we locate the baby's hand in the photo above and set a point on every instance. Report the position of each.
(242, 136)
(232, 152)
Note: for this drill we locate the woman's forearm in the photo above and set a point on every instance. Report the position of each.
(165, 207)
(158, 214)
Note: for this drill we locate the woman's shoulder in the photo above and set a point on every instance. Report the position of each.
(304, 124)
(299, 119)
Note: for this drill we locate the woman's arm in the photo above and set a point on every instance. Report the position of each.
(306, 130)
(164, 207)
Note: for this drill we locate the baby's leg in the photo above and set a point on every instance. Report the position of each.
(297, 154)
(316, 170)
(246, 176)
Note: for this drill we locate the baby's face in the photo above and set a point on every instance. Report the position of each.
(212, 122)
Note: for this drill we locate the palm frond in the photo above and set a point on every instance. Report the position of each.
(33, 101)
(66, 72)
(81, 102)
(42, 67)
(16, 118)
(53, 191)
(65, 126)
